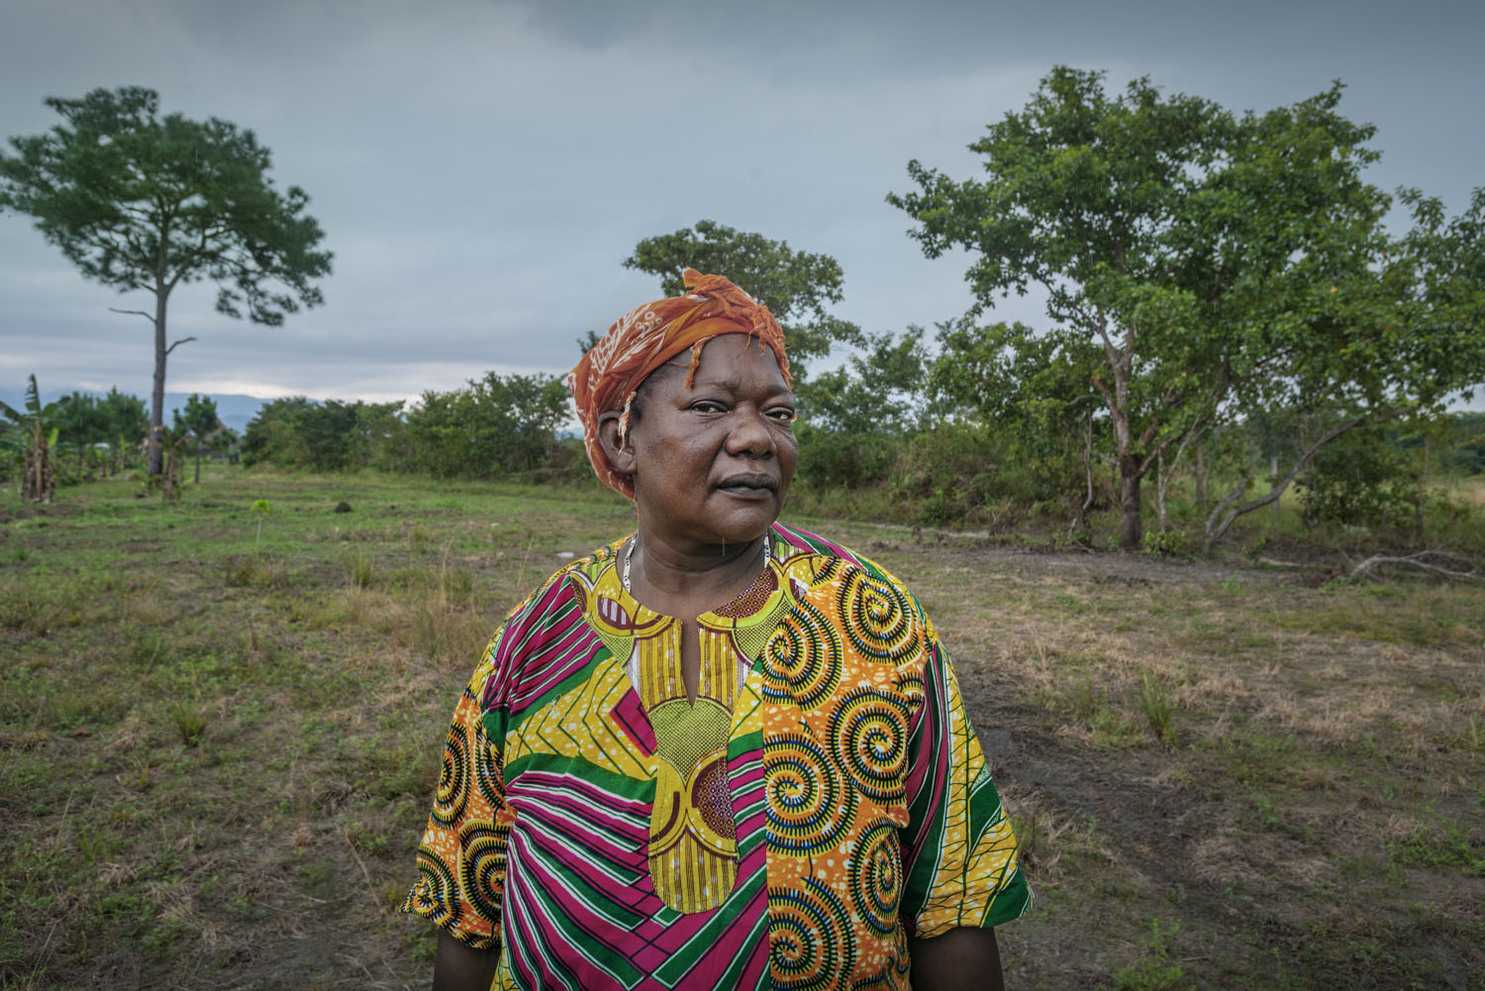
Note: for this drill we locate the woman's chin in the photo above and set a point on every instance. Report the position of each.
(743, 521)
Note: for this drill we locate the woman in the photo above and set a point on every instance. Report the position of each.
(722, 752)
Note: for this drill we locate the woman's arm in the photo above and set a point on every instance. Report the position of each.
(458, 968)
(962, 959)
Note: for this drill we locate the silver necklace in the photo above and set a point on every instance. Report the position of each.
(633, 544)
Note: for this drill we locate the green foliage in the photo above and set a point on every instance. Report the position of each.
(1159, 707)
(796, 286)
(296, 432)
(1203, 266)
(139, 201)
(1165, 543)
(31, 438)
(855, 420)
(199, 418)
(492, 427)
(879, 389)
(1363, 478)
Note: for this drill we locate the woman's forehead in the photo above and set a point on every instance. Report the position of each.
(727, 361)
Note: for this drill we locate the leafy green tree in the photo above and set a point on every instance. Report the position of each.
(796, 286)
(494, 426)
(1033, 390)
(142, 202)
(878, 390)
(1219, 263)
(273, 435)
(126, 424)
(82, 423)
(199, 419)
(854, 418)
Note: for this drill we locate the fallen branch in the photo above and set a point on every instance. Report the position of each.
(1422, 561)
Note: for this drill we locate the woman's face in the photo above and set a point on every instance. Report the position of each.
(712, 463)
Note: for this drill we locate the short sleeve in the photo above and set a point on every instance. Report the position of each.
(960, 858)
(462, 854)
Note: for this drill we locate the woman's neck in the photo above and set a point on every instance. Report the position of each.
(686, 578)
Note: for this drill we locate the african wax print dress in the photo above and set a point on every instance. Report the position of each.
(822, 799)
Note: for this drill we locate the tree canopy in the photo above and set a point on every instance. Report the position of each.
(140, 201)
(797, 286)
(1216, 262)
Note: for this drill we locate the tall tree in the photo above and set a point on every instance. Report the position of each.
(797, 286)
(200, 420)
(1214, 260)
(142, 202)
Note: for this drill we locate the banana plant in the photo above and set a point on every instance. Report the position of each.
(35, 439)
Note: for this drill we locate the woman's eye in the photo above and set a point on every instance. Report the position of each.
(708, 406)
(783, 415)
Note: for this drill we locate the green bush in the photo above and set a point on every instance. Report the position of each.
(1360, 479)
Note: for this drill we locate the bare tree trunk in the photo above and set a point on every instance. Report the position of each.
(1162, 480)
(1273, 480)
(198, 460)
(1201, 476)
(1131, 530)
(1080, 520)
(157, 394)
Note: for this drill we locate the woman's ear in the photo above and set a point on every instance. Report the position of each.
(619, 454)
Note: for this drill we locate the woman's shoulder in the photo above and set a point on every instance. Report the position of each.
(541, 641)
(849, 574)
(839, 558)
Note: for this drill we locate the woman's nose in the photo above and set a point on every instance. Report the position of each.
(750, 435)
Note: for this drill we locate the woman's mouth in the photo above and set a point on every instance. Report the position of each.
(750, 486)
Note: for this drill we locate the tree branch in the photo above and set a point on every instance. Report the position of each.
(133, 313)
(1223, 516)
(176, 344)
(1368, 568)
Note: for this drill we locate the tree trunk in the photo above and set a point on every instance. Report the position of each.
(1201, 476)
(1273, 481)
(1131, 533)
(198, 460)
(157, 395)
(1162, 482)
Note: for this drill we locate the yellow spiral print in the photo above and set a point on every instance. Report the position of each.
(876, 878)
(452, 793)
(879, 620)
(809, 805)
(809, 937)
(802, 661)
(482, 854)
(433, 897)
(868, 734)
(488, 773)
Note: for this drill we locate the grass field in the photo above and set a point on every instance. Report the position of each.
(220, 725)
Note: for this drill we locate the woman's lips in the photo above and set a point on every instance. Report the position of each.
(749, 487)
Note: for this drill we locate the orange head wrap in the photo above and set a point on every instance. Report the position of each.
(647, 337)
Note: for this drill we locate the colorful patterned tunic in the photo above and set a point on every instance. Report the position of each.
(822, 799)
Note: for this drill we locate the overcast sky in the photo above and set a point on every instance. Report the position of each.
(482, 168)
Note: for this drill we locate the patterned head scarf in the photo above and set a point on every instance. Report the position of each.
(649, 336)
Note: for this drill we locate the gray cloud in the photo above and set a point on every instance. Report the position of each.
(482, 168)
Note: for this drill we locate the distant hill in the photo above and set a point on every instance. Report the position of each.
(235, 411)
